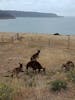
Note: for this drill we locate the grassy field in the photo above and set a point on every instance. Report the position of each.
(54, 52)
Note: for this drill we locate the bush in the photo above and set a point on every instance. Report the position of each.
(57, 85)
(5, 92)
(71, 76)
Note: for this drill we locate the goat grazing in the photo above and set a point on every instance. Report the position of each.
(68, 66)
(17, 70)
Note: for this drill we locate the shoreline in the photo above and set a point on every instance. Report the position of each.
(21, 33)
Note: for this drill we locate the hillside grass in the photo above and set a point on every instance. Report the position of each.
(34, 86)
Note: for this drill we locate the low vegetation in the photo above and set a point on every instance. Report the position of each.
(71, 76)
(58, 85)
(37, 86)
(5, 92)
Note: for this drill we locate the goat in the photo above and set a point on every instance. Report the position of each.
(35, 65)
(68, 66)
(34, 56)
(17, 70)
(65, 67)
(56, 34)
(70, 63)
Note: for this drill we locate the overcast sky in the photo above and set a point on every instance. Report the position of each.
(60, 7)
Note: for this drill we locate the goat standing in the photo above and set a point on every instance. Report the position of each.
(35, 56)
(35, 65)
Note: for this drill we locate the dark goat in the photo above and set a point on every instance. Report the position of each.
(17, 70)
(56, 34)
(34, 56)
(35, 65)
(69, 65)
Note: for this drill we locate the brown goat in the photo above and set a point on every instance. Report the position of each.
(35, 56)
(17, 70)
(68, 66)
(35, 65)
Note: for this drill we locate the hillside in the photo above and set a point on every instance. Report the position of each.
(37, 86)
(28, 14)
(5, 15)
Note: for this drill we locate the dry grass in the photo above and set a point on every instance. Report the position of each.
(53, 54)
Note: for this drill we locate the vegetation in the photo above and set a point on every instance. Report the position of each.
(37, 86)
(5, 92)
(58, 85)
(71, 76)
(31, 82)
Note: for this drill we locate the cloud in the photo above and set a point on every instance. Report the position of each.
(61, 7)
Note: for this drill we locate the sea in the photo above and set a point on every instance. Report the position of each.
(62, 25)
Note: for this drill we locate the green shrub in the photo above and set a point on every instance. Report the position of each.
(5, 92)
(57, 85)
(71, 76)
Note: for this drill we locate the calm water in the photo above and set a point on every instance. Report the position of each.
(39, 25)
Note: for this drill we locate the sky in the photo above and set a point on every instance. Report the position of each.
(60, 7)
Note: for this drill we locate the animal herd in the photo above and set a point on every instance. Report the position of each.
(36, 66)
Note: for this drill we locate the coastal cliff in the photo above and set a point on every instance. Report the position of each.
(14, 14)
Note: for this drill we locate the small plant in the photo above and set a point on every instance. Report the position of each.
(5, 92)
(58, 85)
(71, 76)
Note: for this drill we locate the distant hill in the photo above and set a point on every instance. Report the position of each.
(12, 13)
(5, 15)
